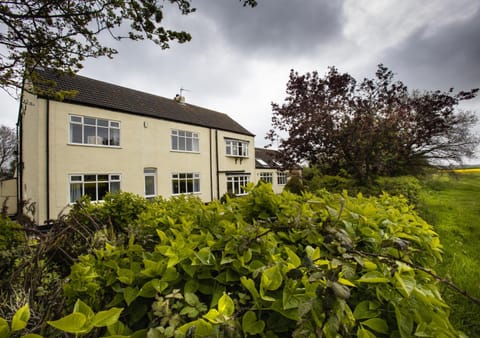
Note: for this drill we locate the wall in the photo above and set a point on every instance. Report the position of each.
(144, 143)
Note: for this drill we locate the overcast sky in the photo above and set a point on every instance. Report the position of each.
(239, 58)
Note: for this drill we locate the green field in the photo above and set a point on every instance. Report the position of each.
(451, 203)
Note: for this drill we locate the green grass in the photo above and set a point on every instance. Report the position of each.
(451, 203)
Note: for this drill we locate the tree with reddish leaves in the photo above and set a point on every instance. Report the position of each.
(376, 127)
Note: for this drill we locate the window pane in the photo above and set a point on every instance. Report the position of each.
(195, 146)
(91, 190)
(102, 123)
(175, 186)
(75, 133)
(89, 136)
(102, 190)
(149, 185)
(114, 187)
(76, 178)
(115, 177)
(90, 121)
(174, 142)
(103, 178)
(114, 124)
(114, 137)
(103, 136)
(77, 119)
(181, 143)
(196, 185)
(75, 192)
(188, 146)
(90, 178)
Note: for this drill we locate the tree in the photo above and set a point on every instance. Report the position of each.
(8, 144)
(62, 34)
(374, 127)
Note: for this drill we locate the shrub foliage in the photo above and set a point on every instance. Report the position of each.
(266, 265)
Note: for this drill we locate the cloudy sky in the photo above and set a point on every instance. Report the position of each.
(239, 58)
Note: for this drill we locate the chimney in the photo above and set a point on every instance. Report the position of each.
(179, 98)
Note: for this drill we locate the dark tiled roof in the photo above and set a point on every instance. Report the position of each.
(266, 159)
(105, 95)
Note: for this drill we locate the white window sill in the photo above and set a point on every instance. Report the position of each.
(93, 145)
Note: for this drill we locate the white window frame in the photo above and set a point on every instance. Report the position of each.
(150, 172)
(282, 178)
(266, 177)
(179, 137)
(180, 180)
(110, 125)
(113, 180)
(236, 148)
(237, 183)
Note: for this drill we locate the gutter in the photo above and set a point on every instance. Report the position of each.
(47, 165)
(20, 154)
(216, 159)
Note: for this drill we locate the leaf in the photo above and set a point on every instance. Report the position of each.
(345, 282)
(126, 276)
(364, 310)
(72, 323)
(226, 305)
(249, 284)
(106, 318)
(364, 333)
(376, 324)
(130, 294)
(83, 308)
(212, 315)
(372, 277)
(251, 325)
(4, 328)
(30, 335)
(293, 259)
(405, 283)
(20, 318)
(271, 278)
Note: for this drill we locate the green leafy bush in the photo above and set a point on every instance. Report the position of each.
(269, 265)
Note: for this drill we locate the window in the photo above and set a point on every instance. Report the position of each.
(266, 177)
(185, 183)
(150, 175)
(89, 130)
(236, 148)
(94, 185)
(282, 178)
(235, 184)
(185, 141)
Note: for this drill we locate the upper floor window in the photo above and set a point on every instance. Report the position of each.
(183, 140)
(266, 177)
(236, 148)
(96, 186)
(90, 130)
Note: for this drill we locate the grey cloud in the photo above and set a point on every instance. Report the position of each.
(447, 57)
(275, 26)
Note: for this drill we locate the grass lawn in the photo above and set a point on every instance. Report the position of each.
(451, 203)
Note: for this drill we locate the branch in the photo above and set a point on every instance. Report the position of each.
(445, 281)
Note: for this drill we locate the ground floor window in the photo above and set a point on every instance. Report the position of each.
(236, 183)
(185, 183)
(282, 178)
(96, 186)
(150, 175)
(266, 177)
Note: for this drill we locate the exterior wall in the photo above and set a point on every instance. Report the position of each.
(144, 143)
(229, 165)
(33, 152)
(277, 188)
(8, 195)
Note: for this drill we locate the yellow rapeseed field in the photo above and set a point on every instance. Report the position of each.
(466, 171)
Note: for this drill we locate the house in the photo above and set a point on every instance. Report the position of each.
(108, 138)
(268, 169)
